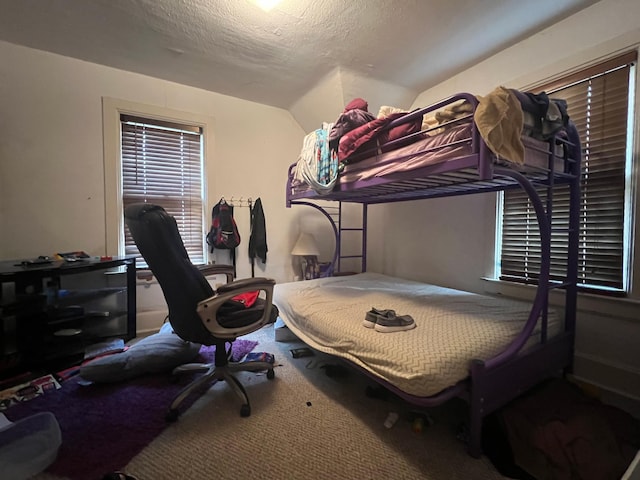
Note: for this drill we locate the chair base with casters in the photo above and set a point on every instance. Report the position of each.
(197, 312)
(221, 370)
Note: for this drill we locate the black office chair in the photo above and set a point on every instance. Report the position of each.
(197, 312)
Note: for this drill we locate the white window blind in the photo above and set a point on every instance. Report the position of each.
(162, 164)
(598, 103)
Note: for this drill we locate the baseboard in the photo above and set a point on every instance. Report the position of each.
(618, 378)
(614, 384)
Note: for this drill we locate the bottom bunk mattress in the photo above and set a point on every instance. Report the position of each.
(452, 327)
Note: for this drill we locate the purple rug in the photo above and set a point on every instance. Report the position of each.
(105, 425)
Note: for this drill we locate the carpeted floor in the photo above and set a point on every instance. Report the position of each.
(103, 426)
(306, 425)
(313, 421)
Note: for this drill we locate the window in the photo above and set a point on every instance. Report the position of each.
(162, 164)
(156, 155)
(599, 103)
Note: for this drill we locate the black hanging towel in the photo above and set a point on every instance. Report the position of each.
(258, 239)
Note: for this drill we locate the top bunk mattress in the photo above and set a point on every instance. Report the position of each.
(452, 327)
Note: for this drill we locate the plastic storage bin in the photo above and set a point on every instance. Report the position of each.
(28, 446)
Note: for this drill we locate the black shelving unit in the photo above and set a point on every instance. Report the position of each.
(50, 312)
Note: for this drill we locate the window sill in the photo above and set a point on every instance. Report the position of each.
(626, 308)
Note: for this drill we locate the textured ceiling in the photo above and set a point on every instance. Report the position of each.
(235, 48)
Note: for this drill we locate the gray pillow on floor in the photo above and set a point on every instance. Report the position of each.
(160, 352)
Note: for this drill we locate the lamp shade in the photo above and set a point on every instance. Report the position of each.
(305, 245)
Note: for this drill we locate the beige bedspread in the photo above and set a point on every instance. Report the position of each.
(452, 327)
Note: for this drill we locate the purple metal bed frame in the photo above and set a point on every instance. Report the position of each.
(495, 381)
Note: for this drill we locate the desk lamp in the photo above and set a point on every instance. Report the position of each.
(307, 251)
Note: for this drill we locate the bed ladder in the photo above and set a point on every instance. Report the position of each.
(363, 243)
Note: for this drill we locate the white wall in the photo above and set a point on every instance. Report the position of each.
(51, 157)
(327, 99)
(322, 103)
(450, 241)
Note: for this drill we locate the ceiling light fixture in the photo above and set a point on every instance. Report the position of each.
(266, 5)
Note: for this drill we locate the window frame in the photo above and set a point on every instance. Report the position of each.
(112, 109)
(630, 172)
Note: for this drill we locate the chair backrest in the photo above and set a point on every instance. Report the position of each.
(156, 235)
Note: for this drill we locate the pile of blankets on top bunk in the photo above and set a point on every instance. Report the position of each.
(502, 117)
(357, 129)
(326, 150)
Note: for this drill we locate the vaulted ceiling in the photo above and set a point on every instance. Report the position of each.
(235, 48)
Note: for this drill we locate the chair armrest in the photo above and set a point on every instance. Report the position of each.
(216, 269)
(208, 309)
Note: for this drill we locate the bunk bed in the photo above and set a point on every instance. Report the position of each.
(513, 346)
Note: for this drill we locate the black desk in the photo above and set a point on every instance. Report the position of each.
(49, 312)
